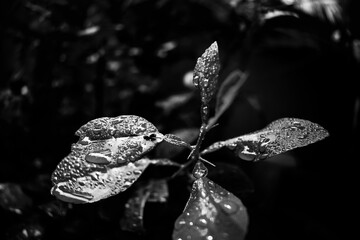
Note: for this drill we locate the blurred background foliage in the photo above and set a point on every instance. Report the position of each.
(64, 63)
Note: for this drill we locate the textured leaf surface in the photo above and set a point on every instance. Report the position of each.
(175, 140)
(206, 73)
(121, 126)
(211, 213)
(105, 160)
(279, 136)
(99, 183)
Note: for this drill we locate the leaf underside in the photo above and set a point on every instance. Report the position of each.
(278, 137)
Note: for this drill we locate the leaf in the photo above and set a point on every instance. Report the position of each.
(121, 126)
(326, 10)
(98, 183)
(278, 137)
(108, 149)
(206, 73)
(211, 213)
(152, 191)
(227, 93)
(175, 140)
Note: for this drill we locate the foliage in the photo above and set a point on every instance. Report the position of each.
(109, 157)
(64, 63)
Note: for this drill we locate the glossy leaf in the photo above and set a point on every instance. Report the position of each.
(175, 140)
(206, 73)
(105, 160)
(206, 77)
(211, 213)
(99, 182)
(278, 137)
(152, 191)
(121, 126)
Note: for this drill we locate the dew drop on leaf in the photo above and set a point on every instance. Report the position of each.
(200, 170)
(217, 214)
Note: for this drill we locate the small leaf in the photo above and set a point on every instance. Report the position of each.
(206, 73)
(211, 213)
(278, 137)
(152, 191)
(175, 140)
(227, 93)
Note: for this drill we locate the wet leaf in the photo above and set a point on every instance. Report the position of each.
(105, 160)
(329, 10)
(278, 137)
(152, 191)
(121, 126)
(98, 183)
(206, 73)
(206, 77)
(211, 213)
(227, 93)
(175, 140)
(12, 198)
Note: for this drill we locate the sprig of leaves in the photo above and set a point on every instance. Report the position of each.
(110, 156)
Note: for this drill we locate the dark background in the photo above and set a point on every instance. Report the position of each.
(64, 63)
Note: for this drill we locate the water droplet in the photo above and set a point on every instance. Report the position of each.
(200, 170)
(246, 156)
(209, 237)
(201, 222)
(229, 206)
(196, 80)
(180, 223)
(205, 82)
(137, 172)
(97, 158)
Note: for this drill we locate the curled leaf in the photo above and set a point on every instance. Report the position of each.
(211, 213)
(278, 137)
